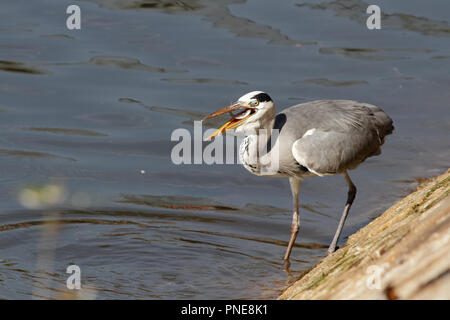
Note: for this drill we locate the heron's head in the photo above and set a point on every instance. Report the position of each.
(250, 112)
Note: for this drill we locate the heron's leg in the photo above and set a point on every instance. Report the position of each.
(295, 188)
(350, 197)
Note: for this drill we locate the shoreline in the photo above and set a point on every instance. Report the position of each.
(402, 254)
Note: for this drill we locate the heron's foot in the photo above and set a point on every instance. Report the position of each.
(332, 249)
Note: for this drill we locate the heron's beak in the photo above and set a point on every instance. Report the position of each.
(236, 120)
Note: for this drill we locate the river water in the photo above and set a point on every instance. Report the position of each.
(86, 117)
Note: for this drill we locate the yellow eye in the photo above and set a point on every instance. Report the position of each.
(255, 103)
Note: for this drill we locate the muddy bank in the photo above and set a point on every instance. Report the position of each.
(403, 254)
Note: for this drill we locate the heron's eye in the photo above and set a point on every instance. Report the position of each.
(255, 103)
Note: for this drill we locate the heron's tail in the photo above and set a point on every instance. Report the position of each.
(383, 123)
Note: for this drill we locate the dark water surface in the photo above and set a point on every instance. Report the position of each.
(86, 118)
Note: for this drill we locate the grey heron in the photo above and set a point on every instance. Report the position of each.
(317, 138)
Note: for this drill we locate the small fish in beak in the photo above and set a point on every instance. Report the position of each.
(235, 121)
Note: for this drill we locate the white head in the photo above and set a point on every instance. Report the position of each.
(258, 111)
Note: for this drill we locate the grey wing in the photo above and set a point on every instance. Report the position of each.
(346, 134)
(337, 115)
(331, 152)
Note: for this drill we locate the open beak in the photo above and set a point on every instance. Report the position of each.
(236, 119)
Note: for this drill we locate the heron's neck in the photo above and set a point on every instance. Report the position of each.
(262, 128)
(254, 146)
(260, 135)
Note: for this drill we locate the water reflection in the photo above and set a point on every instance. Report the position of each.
(32, 154)
(119, 62)
(356, 10)
(216, 12)
(96, 109)
(20, 67)
(67, 131)
(371, 54)
(331, 83)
